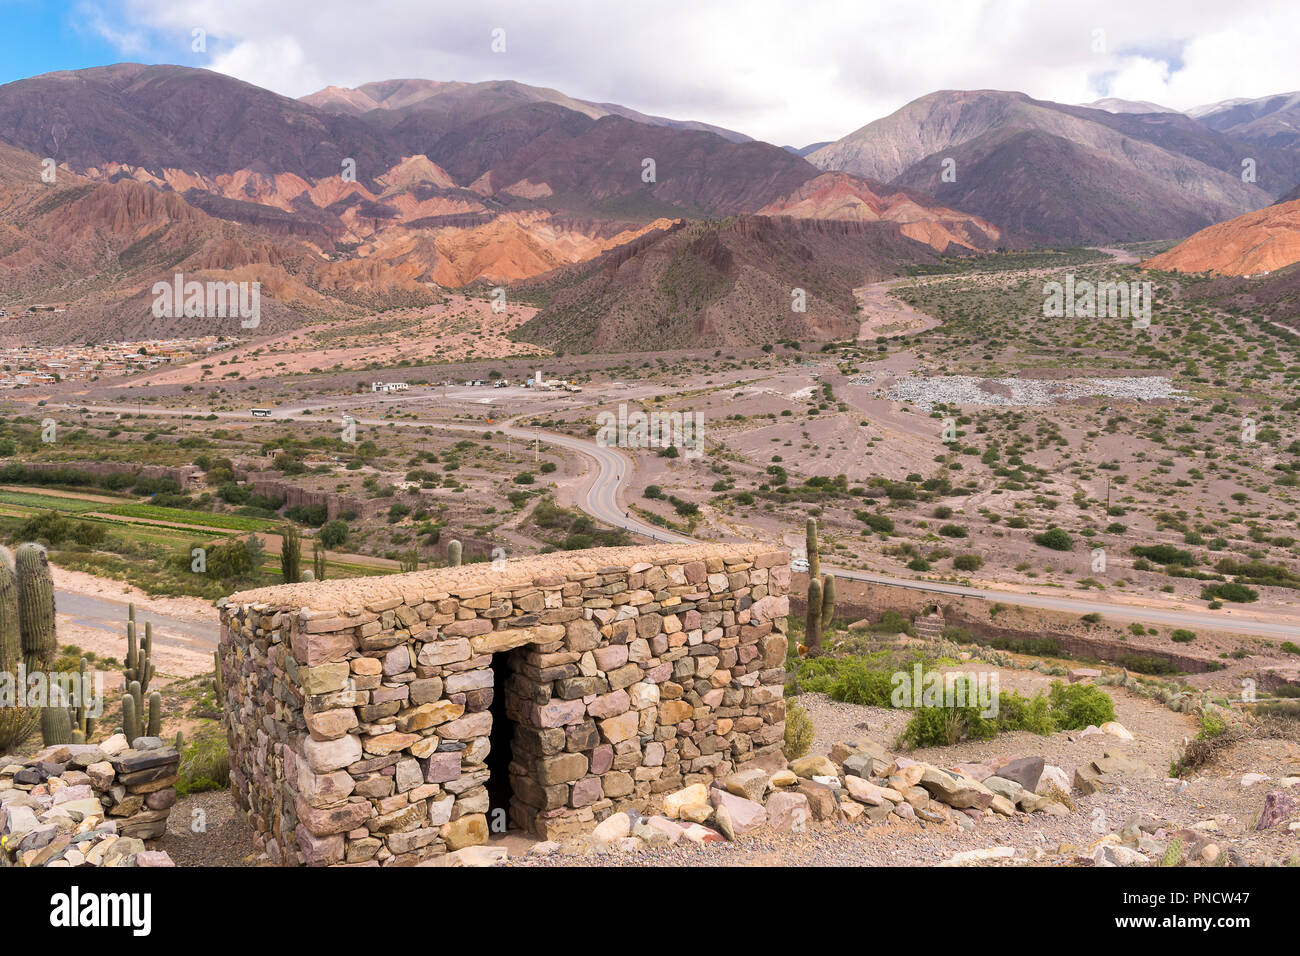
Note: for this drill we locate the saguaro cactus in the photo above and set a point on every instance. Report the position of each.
(36, 607)
(35, 593)
(814, 562)
(82, 722)
(318, 560)
(821, 594)
(828, 599)
(11, 632)
(139, 659)
(813, 616)
(56, 724)
(453, 553)
(134, 722)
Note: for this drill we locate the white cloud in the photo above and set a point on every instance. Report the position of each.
(781, 71)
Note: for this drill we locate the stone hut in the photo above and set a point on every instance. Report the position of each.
(388, 720)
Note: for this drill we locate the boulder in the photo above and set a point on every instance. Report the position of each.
(784, 778)
(696, 812)
(808, 767)
(698, 833)
(1005, 788)
(788, 812)
(1278, 809)
(864, 791)
(1116, 729)
(736, 815)
(957, 792)
(750, 784)
(822, 800)
(610, 830)
(1026, 771)
(1103, 774)
(1052, 776)
(696, 793)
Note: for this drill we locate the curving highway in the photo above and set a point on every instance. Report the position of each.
(598, 496)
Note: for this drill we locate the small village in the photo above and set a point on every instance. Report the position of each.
(22, 366)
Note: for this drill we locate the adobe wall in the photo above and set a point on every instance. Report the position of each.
(360, 712)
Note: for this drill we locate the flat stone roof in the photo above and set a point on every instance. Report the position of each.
(479, 578)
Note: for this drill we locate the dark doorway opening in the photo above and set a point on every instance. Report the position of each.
(500, 746)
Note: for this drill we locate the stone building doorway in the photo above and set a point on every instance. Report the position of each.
(500, 745)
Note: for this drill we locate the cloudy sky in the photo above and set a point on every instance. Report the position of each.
(787, 71)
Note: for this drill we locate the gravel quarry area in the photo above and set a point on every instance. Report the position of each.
(925, 393)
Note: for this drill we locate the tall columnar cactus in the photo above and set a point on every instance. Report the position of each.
(139, 658)
(82, 722)
(814, 562)
(11, 632)
(291, 554)
(130, 716)
(134, 721)
(813, 616)
(318, 560)
(821, 593)
(828, 599)
(39, 640)
(36, 607)
(56, 725)
(453, 553)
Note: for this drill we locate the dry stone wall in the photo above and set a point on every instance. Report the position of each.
(390, 720)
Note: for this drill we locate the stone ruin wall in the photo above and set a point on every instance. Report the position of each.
(360, 712)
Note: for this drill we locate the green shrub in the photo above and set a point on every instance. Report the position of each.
(205, 765)
(1024, 713)
(333, 534)
(1054, 538)
(1229, 591)
(1164, 554)
(1182, 636)
(798, 731)
(1075, 706)
(968, 562)
(1146, 664)
(859, 684)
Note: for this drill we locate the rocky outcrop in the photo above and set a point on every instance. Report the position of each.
(1258, 242)
(88, 804)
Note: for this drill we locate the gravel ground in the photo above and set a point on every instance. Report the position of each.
(207, 829)
(1216, 794)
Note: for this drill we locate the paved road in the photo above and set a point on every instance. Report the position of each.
(108, 615)
(599, 498)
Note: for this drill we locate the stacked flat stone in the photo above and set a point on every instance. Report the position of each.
(358, 711)
(87, 804)
(858, 783)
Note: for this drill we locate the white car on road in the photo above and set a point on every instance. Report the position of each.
(799, 564)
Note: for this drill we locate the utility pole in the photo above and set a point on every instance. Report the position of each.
(537, 444)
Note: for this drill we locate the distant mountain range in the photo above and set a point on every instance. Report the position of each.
(1051, 173)
(356, 199)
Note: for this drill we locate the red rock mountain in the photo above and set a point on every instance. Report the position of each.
(383, 195)
(1258, 242)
